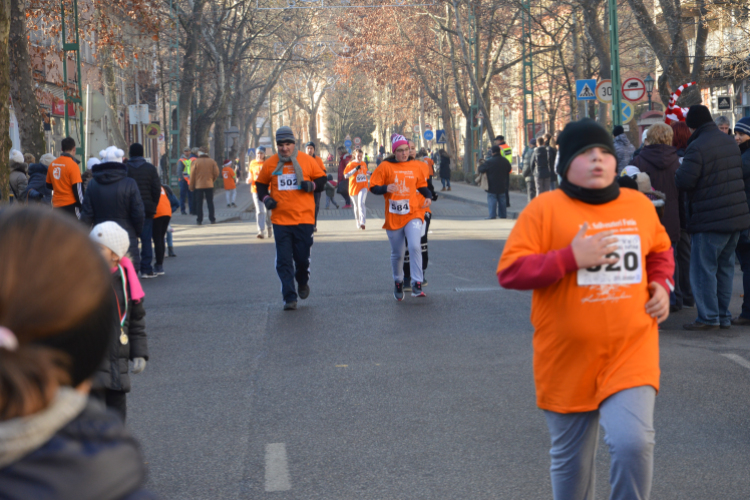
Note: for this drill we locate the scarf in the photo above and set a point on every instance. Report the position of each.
(297, 169)
(590, 196)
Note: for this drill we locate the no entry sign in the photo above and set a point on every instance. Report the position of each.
(633, 89)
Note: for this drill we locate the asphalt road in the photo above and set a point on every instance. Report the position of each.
(357, 396)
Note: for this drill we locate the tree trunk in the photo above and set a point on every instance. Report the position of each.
(187, 87)
(219, 135)
(22, 85)
(5, 142)
(312, 126)
(107, 67)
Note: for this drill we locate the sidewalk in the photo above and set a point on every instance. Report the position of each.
(468, 193)
(223, 213)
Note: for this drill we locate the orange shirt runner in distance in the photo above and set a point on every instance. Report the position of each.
(358, 181)
(406, 203)
(229, 178)
(252, 174)
(295, 206)
(64, 173)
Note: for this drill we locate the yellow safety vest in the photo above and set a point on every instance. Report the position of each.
(507, 152)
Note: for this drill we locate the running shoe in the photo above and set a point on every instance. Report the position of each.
(417, 290)
(398, 292)
(303, 291)
(149, 275)
(362, 227)
(407, 287)
(159, 270)
(260, 236)
(290, 306)
(347, 206)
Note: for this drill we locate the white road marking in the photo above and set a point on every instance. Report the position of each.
(277, 471)
(478, 289)
(738, 359)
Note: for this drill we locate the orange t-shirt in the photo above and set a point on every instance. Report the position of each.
(295, 206)
(63, 173)
(592, 335)
(320, 162)
(426, 173)
(163, 208)
(358, 181)
(252, 173)
(430, 164)
(405, 204)
(228, 174)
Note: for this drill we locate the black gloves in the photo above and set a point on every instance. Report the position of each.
(269, 202)
(307, 186)
(434, 196)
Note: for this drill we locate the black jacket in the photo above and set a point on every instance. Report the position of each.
(113, 196)
(113, 372)
(660, 162)
(37, 190)
(540, 162)
(497, 169)
(445, 167)
(149, 185)
(711, 174)
(745, 149)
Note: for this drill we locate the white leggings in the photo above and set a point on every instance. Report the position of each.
(261, 214)
(231, 195)
(360, 211)
(411, 232)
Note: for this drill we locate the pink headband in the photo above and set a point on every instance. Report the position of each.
(8, 340)
(398, 140)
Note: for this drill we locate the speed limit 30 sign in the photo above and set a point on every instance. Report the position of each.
(604, 91)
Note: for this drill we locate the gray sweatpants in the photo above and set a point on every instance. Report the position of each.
(411, 232)
(628, 421)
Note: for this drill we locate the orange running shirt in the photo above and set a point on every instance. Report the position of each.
(63, 173)
(164, 208)
(252, 173)
(228, 174)
(430, 164)
(295, 206)
(358, 181)
(405, 204)
(320, 162)
(592, 338)
(425, 168)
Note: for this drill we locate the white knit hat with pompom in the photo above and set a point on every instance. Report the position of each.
(16, 156)
(112, 153)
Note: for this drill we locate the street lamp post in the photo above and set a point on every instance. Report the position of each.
(649, 81)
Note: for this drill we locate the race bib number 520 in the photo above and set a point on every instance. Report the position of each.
(400, 207)
(287, 182)
(626, 271)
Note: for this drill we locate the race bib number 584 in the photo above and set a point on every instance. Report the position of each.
(400, 207)
(626, 271)
(287, 182)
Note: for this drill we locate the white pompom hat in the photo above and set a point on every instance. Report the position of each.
(111, 235)
(92, 161)
(112, 153)
(16, 156)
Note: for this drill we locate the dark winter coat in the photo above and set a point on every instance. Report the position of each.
(527, 156)
(113, 372)
(445, 166)
(113, 196)
(37, 190)
(18, 179)
(540, 162)
(711, 173)
(683, 196)
(624, 151)
(660, 162)
(91, 457)
(745, 150)
(85, 178)
(497, 169)
(147, 179)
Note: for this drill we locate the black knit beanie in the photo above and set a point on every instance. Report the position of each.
(579, 136)
(698, 115)
(135, 150)
(618, 130)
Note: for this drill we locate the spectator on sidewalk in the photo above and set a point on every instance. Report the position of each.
(64, 179)
(204, 172)
(623, 148)
(742, 137)
(681, 134)
(723, 124)
(19, 179)
(37, 190)
(343, 185)
(230, 186)
(711, 173)
(541, 167)
(658, 158)
(527, 172)
(113, 196)
(147, 177)
(445, 169)
(497, 169)
(183, 174)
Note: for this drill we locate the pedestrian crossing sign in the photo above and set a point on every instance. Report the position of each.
(440, 136)
(585, 90)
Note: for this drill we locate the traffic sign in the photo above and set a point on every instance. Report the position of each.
(440, 136)
(627, 112)
(427, 126)
(152, 130)
(428, 135)
(585, 90)
(357, 141)
(633, 89)
(604, 91)
(348, 137)
(724, 102)
(348, 144)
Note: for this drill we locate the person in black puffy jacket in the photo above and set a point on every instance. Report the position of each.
(37, 190)
(742, 138)
(149, 185)
(111, 195)
(541, 167)
(717, 211)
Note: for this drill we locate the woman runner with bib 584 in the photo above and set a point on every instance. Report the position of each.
(400, 181)
(600, 264)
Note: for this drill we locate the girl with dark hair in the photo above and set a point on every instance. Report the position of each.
(56, 312)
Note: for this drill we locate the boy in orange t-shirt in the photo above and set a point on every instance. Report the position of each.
(285, 185)
(230, 186)
(600, 265)
(356, 172)
(64, 179)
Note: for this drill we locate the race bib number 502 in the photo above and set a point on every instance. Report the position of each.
(626, 271)
(287, 182)
(400, 207)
